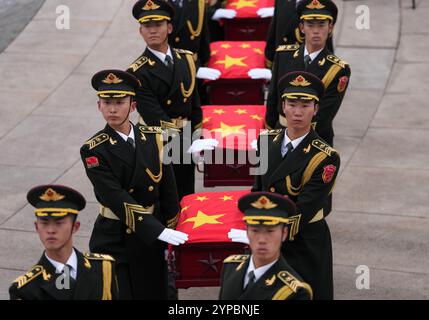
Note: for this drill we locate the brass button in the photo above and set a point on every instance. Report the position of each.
(177, 39)
(168, 102)
(185, 99)
(129, 231)
(272, 189)
(131, 191)
(192, 37)
(150, 188)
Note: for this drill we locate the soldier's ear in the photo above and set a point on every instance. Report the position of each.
(285, 233)
(76, 226)
(301, 27)
(331, 27)
(133, 105)
(169, 27)
(316, 108)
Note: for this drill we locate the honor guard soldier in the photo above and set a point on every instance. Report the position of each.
(265, 274)
(136, 190)
(318, 18)
(167, 96)
(63, 273)
(304, 167)
(284, 29)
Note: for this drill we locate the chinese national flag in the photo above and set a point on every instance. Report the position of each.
(235, 58)
(233, 126)
(248, 8)
(209, 216)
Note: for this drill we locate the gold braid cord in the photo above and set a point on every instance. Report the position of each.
(188, 93)
(195, 33)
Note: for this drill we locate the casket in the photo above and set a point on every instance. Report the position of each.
(234, 127)
(207, 217)
(247, 25)
(234, 59)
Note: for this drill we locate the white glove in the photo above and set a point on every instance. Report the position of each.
(173, 237)
(266, 12)
(224, 14)
(208, 73)
(237, 235)
(202, 144)
(260, 73)
(254, 144)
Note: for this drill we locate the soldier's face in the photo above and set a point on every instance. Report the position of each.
(266, 241)
(116, 110)
(316, 32)
(299, 113)
(56, 233)
(155, 33)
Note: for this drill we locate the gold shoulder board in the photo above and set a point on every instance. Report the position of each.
(322, 146)
(148, 129)
(288, 47)
(183, 51)
(92, 143)
(238, 258)
(140, 62)
(29, 276)
(289, 280)
(337, 61)
(98, 256)
(272, 132)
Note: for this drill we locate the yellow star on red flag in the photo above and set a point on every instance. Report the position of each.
(219, 111)
(226, 198)
(184, 208)
(258, 51)
(229, 61)
(256, 117)
(240, 111)
(244, 3)
(227, 130)
(203, 198)
(201, 219)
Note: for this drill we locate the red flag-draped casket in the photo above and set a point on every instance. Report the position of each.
(247, 24)
(207, 217)
(234, 59)
(234, 127)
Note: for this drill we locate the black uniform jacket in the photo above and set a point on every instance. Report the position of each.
(280, 282)
(95, 281)
(167, 97)
(135, 185)
(307, 176)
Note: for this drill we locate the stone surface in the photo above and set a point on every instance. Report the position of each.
(402, 110)
(380, 216)
(383, 20)
(383, 191)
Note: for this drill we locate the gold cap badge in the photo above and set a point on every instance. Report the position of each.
(112, 79)
(315, 4)
(150, 5)
(51, 195)
(300, 82)
(263, 203)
